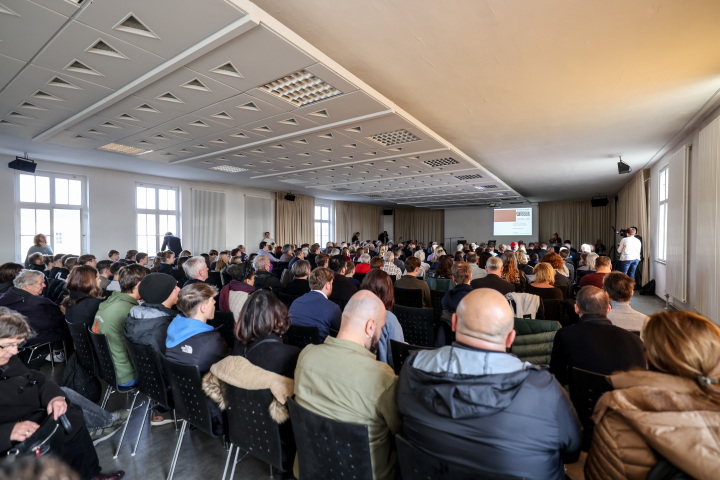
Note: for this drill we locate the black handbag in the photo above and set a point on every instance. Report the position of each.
(46, 439)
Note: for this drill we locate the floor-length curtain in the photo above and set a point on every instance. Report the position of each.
(632, 211)
(357, 217)
(578, 222)
(294, 221)
(208, 221)
(419, 224)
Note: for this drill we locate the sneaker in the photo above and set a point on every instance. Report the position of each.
(158, 419)
(58, 357)
(119, 416)
(102, 434)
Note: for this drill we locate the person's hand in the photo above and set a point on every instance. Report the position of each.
(57, 407)
(23, 430)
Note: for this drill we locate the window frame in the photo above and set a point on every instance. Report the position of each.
(157, 212)
(329, 223)
(662, 198)
(51, 206)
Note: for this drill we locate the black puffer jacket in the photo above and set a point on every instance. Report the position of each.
(147, 324)
(44, 316)
(84, 311)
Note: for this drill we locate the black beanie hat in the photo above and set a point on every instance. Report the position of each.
(156, 287)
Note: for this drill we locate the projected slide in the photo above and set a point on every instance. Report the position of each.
(512, 221)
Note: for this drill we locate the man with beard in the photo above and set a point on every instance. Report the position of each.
(342, 380)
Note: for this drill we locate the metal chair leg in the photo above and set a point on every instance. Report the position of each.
(127, 420)
(271, 476)
(177, 450)
(227, 461)
(108, 392)
(235, 462)
(142, 426)
(175, 419)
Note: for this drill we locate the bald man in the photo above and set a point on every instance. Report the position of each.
(341, 379)
(475, 405)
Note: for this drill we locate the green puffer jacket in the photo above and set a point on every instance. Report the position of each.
(534, 340)
(110, 321)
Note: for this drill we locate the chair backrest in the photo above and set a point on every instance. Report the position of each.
(444, 284)
(191, 403)
(328, 449)
(300, 336)
(534, 340)
(359, 277)
(409, 297)
(417, 324)
(250, 426)
(150, 374)
(224, 324)
(287, 299)
(436, 297)
(586, 388)
(83, 346)
(416, 463)
(279, 267)
(400, 352)
(286, 276)
(106, 364)
(552, 309)
(215, 279)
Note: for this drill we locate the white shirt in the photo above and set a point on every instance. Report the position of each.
(267, 240)
(629, 248)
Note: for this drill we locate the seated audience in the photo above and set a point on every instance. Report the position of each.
(522, 261)
(28, 398)
(219, 265)
(410, 281)
(475, 270)
(147, 324)
(603, 266)
(299, 255)
(103, 268)
(114, 285)
(461, 276)
(87, 259)
(475, 405)
(141, 258)
(84, 295)
(511, 273)
(588, 265)
(263, 277)
(36, 262)
(168, 262)
(8, 272)
(299, 285)
(565, 255)
(443, 267)
(342, 289)
(314, 309)
(671, 411)
(196, 270)
(379, 283)
(620, 288)
(542, 285)
(561, 274)
(286, 253)
(350, 272)
(113, 256)
(49, 262)
(493, 267)
(265, 252)
(321, 260)
(367, 395)
(179, 272)
(110, 321)
(424, 267)
(129, 257)
(594, 344)
(234, 295)
(377, 263)
(58, 267)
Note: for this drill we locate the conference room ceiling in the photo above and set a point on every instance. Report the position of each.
(433, 104)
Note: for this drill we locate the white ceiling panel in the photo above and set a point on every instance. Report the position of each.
(30, 17)
(258, 56)
(65, 8)
(283, 124)
(188, 99)
(152, 140)
(112, 127)
(149, 113)
(341, 108)
(242, 110)
(73, 139)
(9, 67)
(176, 25)
(74, 45)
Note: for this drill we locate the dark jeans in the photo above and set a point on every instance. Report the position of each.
(628, 267)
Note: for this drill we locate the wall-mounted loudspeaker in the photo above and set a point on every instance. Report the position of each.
(387, 212)
(289, 197)
(23, 164)
(599, 201)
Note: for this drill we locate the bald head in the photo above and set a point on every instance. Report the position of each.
(484, 319)
(363, 319)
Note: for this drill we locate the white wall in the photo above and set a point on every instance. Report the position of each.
(111, 208)
(476, 225)
(388, 222)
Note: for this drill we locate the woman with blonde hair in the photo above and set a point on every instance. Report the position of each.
(542, 285)
(222, 261)
(670, 412)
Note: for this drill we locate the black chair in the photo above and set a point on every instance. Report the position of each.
(151, 381)
(214, 279)
(250, 427)
(83, 346)
(287, 299)
(551, 309)
(328, 449)
(409, 297)
(417, 324)
(436, 297)
(106, 369)
(586, 388)
(278, 268)
(286, 276)
(224, 324)
(302, 336)
(359, 277)
(400, 352)
(416, 464)
(191, 403)
(40, 347)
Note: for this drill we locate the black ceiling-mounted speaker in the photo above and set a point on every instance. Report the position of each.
(23, 164)
(599, 201)
(387, 212)
(623, 167)
(290, 197)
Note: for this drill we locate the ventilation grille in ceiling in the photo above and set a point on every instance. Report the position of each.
(441, 162)
(124, 149)
(229, 169)
(227, 69)
(500, 194)
(397, 137)
(132, 25)
(301, 88)
(341, 189)
(468, 177)
(59, 82)
(371, 196)
(46, 96)
(196, 84)
(485, 187)
(102, 48)
(169, 97)
(294, 181)
(79, 67)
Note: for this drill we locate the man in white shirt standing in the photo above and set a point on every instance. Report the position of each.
(268, 239)
(629, 250)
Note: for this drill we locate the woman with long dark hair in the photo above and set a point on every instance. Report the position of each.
(379, 283)
(85, 295)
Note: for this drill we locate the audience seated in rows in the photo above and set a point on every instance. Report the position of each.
(561, 273)
(379, 283)
(299, 285)
(234, 295)
(8, 272)
(314, 309)
(342, 289)
(603, 266)
(493, 267)
(543, 283)
(84, 295)
(461, 273)
(196, 270)
(263, 277)
(410, 281)
(620, 288)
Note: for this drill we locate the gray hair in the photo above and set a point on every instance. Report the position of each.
(193, 265)
(259, 262)
(306, 251)
(286, 248)
(335, 251)
(365, 258)
(14, 324)
(420, 255)
(460, 247)
(27, 277)
(301, 268)
(389, 256)
(493, 263)
(591, 261)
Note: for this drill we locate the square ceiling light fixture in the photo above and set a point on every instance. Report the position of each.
(397, 137)
(124, 149)
(301, 88)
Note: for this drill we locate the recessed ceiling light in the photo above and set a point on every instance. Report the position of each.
(124, 149)
(301, 88)
(228, 169)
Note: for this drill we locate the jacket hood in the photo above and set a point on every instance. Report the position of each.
(147, 311)
(12, 297)
(182, 328)
(465, 382)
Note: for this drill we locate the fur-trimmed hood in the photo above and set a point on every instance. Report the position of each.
(239, 372)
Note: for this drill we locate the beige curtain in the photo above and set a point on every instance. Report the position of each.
(357, 217)
(294, 221)
(419, 224)
(632, 210)
(578, 222)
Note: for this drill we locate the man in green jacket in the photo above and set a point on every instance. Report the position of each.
(110, 320)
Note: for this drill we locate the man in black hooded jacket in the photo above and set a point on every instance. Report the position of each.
(475, 405)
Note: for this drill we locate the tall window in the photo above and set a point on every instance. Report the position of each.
(157, 213)
(53, 205)
(322, 224)
(662, 214)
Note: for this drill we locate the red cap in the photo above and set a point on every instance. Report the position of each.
(513, 245)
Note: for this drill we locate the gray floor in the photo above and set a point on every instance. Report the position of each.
(647, 304)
